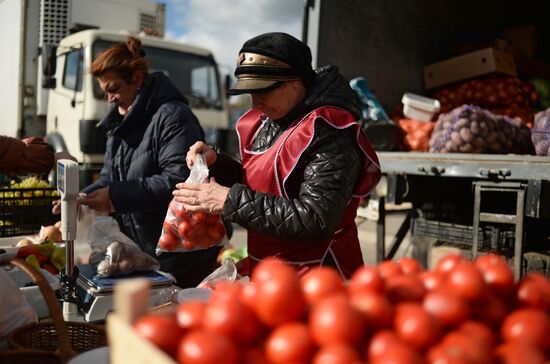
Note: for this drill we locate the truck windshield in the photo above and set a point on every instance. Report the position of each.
(195, 76)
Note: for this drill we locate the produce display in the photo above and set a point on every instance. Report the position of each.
(183, 230)
(461, 311)
(502, 95)
(540, 134)
(25, 206)
(471, 129)
(417, 134)
(46, 254)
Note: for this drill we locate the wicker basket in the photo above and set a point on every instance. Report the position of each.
(56, 339)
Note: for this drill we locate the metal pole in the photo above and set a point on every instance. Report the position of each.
(305, 19)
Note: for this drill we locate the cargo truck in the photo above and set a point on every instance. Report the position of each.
(47, 90)
(474, 202)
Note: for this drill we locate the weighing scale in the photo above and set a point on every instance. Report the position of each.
(96, 293)
(84, 294)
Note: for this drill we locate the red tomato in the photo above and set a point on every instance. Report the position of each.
(460, 345)
(211, 219)
(519, 353)
(199, 218)
(204, 347)
(253, 355)
(170, 225)
(216, 232)
(190, 314)
(366, 278)
(279, 296)
(478, 332)
(227, 290)
(431, 280)
(188, 244)
(447, 307)
(333, 319)
(498, 276)
(399, 354)
(527, 325)
(162, 330)
(169, 241)
(490, 309)
(409, 265)
(233, 319)
(319, 282)
(290, 342)
(376, 309)
(184, 229)
(448, 262)
(490, 260)
(465, 280)
(337, 353)
(389, 268)
(381, 343)
(405, 288)
(181, 212)
(534, 291)
(415, 326)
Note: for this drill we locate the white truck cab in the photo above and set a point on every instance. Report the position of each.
(76, 103)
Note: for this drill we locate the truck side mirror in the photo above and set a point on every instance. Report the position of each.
(227, 84)
(49, 59)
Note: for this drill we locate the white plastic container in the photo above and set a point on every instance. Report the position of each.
(419, 107)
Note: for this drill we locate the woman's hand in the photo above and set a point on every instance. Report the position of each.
(205, 197)
(99, 200)
(208, 153)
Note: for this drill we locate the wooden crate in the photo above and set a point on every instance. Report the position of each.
(126, 346)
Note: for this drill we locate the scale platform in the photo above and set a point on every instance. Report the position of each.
(96, 293)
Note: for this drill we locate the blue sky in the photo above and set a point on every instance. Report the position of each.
(224, 25)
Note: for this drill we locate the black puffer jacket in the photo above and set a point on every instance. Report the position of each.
(321, 185)
(145, 158)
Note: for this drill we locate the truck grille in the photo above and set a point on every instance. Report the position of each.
(54, 21)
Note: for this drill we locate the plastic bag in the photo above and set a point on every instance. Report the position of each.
(115, 253)
(183, 230)
(15, 311)
(372, 110)
(540, 135)
(472, 129)
(226, 272)
(82, 249)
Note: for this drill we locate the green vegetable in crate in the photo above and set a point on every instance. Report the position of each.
(58, 258)
(33, 261)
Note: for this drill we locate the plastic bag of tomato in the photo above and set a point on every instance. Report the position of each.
(184, 230)
(462, 311)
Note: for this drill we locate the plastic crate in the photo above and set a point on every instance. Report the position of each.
(24, 210)
(489, 237)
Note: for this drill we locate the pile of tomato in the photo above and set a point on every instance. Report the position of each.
(459, 312)
(183, 229)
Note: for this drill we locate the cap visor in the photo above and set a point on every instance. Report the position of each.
(247, 86)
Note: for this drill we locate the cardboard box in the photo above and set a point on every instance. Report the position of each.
(478, 63)
(523, 38)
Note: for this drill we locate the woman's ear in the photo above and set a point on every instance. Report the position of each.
(137, 79)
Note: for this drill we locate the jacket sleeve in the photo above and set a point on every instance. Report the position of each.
(31, 155)
(176, 130)
(330, 170)
(226, 170)
(105, 173)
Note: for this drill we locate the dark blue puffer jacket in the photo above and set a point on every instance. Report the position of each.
(145, 158)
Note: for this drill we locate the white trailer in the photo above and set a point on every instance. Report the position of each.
(47, 48)
(29, 29)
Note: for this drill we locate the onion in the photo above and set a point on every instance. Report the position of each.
(50, 232)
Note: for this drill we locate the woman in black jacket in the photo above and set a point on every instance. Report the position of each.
(150, 127)
(305, 160)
